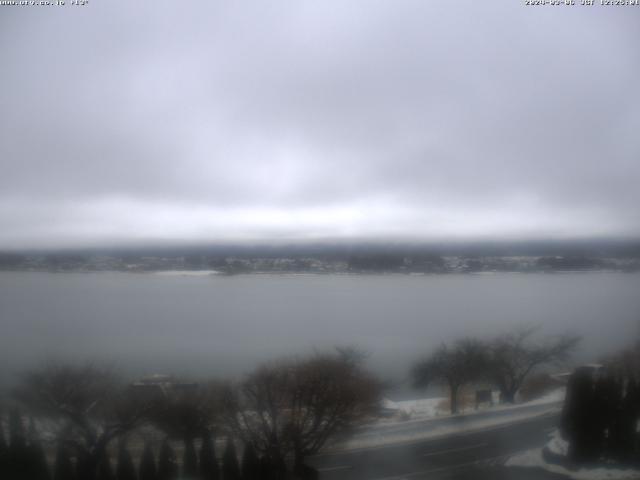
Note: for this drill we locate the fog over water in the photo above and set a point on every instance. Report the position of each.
(223, 326)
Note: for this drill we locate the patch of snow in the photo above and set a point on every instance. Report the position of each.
(556, 395)
(187, 273)
(422, 407)
(390, 404)
(557, 444)
(533, 458)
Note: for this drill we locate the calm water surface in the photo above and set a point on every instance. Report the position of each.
(223, 325)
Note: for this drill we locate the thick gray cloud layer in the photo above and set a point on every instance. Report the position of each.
(135, 121)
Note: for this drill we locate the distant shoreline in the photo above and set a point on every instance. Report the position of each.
(218, 273)
(345, 263)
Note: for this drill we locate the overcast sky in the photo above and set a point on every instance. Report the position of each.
(153, 121)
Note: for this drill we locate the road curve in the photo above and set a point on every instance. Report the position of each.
(475, 455)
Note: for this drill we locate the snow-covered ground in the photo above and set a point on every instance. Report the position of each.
(533, 458)
(424, 408)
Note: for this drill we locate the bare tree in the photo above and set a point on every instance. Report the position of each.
(88, 405)
(187, 414)
(626, 362)
(296, 406)
(515, 355)
(453, 366)
(254, 408)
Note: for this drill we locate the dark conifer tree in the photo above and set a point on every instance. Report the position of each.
(17, 454)
(208, 462)
(628, 421)
(105, 472)
(4, 449)
(250, 463)
(17, 437)
(635, 401)
(230, 466)
(148, 470)
(190, 459)
(265, 468)
(125, 469)
(37, 462)
(278, 468)
(609, 391)
(616, 420)
(63, 468)
(599, 415)
(576, 424)
(3, 441)
(86, 467)
(167, 464)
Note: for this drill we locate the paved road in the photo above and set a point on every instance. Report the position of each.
(474, 456)
(430, 427)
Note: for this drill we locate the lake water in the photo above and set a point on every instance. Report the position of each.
(223, 326)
